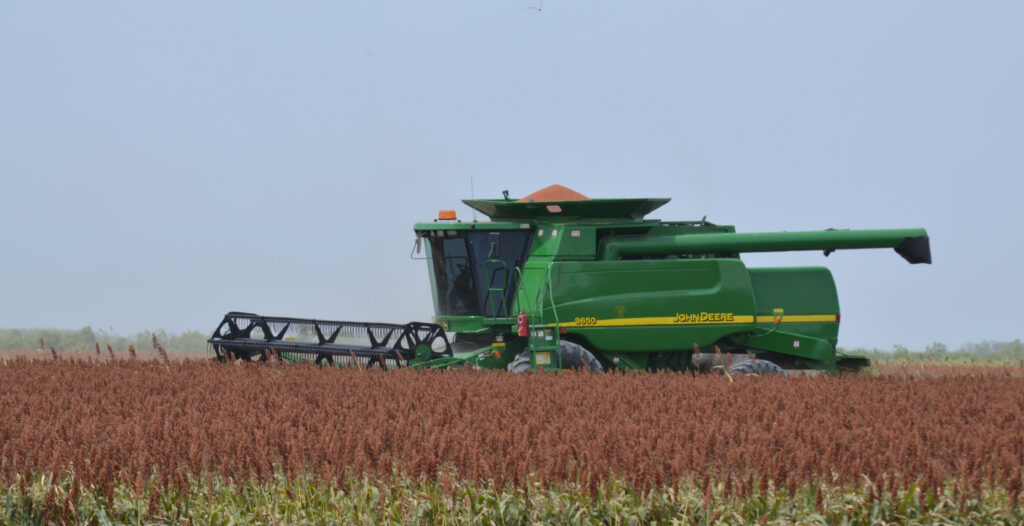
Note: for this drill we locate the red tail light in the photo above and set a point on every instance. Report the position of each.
(837, 318)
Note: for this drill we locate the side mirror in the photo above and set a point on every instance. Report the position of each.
(417, 248)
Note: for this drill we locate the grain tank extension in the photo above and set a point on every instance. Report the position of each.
(577, 282)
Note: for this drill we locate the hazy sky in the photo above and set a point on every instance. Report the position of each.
(163, 163)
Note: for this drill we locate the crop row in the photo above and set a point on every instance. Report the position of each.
(134, 421)
(46, 500)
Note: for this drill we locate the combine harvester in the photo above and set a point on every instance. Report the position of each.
(556, 280)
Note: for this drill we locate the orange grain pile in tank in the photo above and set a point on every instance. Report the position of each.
(555, 192)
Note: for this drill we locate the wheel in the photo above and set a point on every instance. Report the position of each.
(756, 367)
(574, 356)
(520, 364)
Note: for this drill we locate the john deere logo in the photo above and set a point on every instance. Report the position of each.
(620, 311)
(705, 317)
(444, 324)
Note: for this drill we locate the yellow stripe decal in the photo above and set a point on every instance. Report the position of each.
(799, 318)
(684, 319)
(656, 320)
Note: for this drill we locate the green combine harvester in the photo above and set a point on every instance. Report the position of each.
(556, 281)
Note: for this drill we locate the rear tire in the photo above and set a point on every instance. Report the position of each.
(756, 368)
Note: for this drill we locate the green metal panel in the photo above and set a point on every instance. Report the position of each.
(565, 242)
(814, 350)
(651, 305)
(798, 290)
(474, 225)
(803, 298)
(546, 240)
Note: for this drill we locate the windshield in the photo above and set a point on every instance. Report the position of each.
(474, 271)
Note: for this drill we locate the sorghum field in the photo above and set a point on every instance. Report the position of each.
(103, 439)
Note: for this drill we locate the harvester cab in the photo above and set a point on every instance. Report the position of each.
(474, 272)
(556, 280)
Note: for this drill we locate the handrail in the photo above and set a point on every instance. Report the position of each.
(518, 305)
(556, 333)
(502, 296)
(551, 294)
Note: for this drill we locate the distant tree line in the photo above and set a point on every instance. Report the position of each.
(86, 338)
(971, 352)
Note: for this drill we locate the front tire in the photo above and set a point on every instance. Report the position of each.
(756, 367)
(520, 364)
(575, 356)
